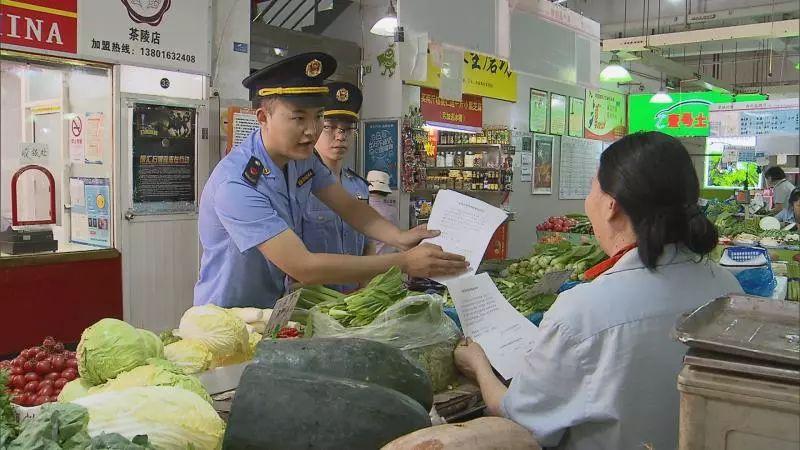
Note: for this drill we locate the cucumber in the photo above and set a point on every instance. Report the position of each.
(354, 359)
(289, 409)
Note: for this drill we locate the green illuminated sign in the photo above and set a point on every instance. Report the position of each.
(687, 115)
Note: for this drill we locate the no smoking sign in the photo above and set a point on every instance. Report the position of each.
(77, 148)
(76, 126)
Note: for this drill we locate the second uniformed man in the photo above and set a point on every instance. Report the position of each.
(323, 230)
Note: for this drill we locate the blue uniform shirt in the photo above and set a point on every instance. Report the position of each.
(325, 232)
(236, 217)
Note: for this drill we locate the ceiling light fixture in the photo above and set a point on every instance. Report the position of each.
(661, 96)
(386, 25)
(614, 72)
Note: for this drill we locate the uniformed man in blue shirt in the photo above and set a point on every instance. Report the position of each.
(323, 230)
(252, 205)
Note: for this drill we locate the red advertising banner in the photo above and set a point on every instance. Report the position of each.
(468, 112)
(46, 25)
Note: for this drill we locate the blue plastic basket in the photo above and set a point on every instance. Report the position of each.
(746, 254)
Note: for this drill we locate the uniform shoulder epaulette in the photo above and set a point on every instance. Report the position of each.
(253, 171)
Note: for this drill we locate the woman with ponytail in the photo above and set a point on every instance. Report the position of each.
(604, 369)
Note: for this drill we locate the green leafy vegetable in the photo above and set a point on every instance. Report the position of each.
(115, 441)
(8, 421)
(57, 426)
(168, 337)
(362, 307)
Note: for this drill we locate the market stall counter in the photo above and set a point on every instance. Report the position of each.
(75, 288)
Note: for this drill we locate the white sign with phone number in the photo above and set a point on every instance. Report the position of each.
(173, 34)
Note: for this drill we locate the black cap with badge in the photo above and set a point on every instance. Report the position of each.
(298, 79)
(344, 102)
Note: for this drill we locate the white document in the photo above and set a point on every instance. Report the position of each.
(79, 220)
(486, 316)
(467, 225)
(76, 192)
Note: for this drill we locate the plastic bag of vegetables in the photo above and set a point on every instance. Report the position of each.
(172, 418)
(416, 325)
(223, 333)
(110, 347)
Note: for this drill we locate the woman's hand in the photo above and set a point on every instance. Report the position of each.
(470, 359)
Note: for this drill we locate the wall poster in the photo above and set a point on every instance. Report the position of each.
(90, 214)
(542, 164)
(604, 116)
(558, 114)
(538, 111)
(575, 123)
(381, 147)
(580, 159)
(163, 166)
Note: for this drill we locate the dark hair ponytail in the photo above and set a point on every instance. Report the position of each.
(652, 177)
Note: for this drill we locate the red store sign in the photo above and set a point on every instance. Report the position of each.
(468, 112)
(41, 24)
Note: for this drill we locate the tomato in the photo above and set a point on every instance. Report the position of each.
(44, 367)
(32, 376)
(18, 399)
(39, 400)
(52, 376)
(52, 399)
(28, 365)
(45, 383)
(45, 391)
(32, 386)
(59, 383)
(70, 374)
(17, 381)
(19, 361)
(72, 362)
(42, 355)
(17, 371)
(59, 347)
(59, 363)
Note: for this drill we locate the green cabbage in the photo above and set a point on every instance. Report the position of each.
(110, 347)
(76, 388)
(172, 418)
(220, 331)
(155, 373)
(153, 343)
(191, 356)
